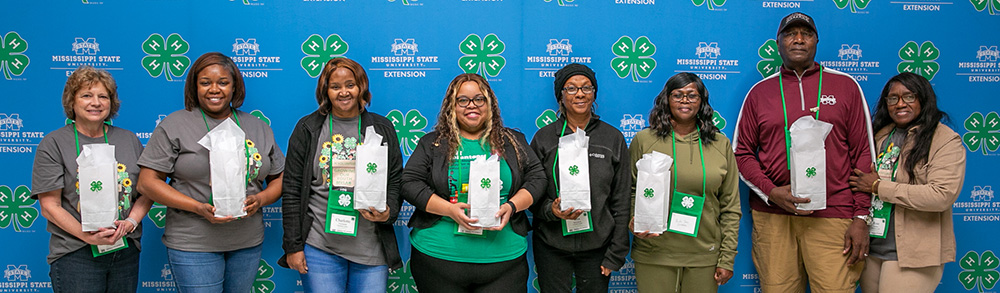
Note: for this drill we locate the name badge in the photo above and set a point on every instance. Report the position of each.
(582, 224)
(99, 250)
(685, 213)
(341, 218)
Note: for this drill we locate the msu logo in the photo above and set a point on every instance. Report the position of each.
(707, 50)
(88, 46)
(400, 47)
(246, 47)
(982, 193)
(17, 273)
(988, 54)
(632, 122)
(558, 47)
(828, 100)
(849, 52)
(10, 122)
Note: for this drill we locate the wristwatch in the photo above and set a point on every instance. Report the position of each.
(866, 218)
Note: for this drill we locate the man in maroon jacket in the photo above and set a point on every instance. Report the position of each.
(791, 247)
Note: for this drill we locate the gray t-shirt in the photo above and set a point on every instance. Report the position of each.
(885, 248)
(364, 248)
(173, 149)
(55, 168)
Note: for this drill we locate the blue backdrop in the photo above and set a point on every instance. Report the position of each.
(411, 50)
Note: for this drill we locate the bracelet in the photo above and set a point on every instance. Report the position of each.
(512, 206)
(874, 188)
(134, 224)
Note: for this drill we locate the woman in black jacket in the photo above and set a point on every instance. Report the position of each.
(321, 156)
(449, 253)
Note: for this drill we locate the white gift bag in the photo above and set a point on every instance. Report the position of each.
(808, 161)
(226, 145)
(574, 171)
(98, 186)
(652, 192)
(484, 191)
(371, 172)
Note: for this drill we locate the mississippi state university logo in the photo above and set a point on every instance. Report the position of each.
(14, 138)
(164, 284)
(246, 55)
(631, 124)
(983, 66)
(558, 53)
(86, 51)
(707, 63)
(624, 279)
(404, 60)
(919, 59)
(482, 55)
(783, 3)
(633, 58)
(978, 206)
(851, 60)
(12, 58)
(318, 51)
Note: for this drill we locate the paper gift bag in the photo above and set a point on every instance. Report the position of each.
(371, 172)
(226, 145)
(98, 187)
(484, 191)
(807, 156)
(574, 171)
(652, 196)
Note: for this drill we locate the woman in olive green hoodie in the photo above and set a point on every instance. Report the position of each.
(703, 171)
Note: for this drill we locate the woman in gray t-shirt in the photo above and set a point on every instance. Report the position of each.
(205, 252)
(106, 260)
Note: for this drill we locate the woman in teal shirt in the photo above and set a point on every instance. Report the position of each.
(449, 254)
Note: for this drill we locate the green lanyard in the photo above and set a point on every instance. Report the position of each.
(556, 160)
(885, 152)
(246, 151)
(76, 134)
(788, 131)
(701, 149)
(330, 161)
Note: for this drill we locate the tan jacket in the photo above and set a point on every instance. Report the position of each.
(925, 234)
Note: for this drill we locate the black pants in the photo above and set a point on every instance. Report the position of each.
(437, 275)
(556, 269)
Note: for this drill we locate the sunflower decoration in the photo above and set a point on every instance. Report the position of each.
(337, 138)
(121, 167)
(253, 161)
(249, 143)
(327, 145)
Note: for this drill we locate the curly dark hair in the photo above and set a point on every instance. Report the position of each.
(495, 135)
(926, 120)
(659, 116)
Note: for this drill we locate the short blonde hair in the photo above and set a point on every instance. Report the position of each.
(84, 77)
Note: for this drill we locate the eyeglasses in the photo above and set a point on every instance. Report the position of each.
(572, 90)
(907, 98)
(689, 97)
(478, 101)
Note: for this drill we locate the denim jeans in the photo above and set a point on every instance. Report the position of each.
(332, 273)
(228, 271)
(80, 271)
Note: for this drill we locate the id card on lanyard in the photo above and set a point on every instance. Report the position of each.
(341, 218)
(882, 211)
(583, 223)
(686, 209)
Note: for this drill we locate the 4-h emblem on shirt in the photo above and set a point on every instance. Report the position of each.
(96, 186)
(484, 183)
(344, 200)
(648, 193)
(811, 172)
(573, 170)
(372, 167)
(687, 202)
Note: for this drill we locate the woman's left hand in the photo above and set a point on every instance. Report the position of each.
(251, 204)
(122, 228)
(605, 271)
(504, 214)
(722, 276)
(375, 216)
(861, 181)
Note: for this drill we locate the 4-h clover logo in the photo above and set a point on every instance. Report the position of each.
(563, 2)
(717, 119)
(318, 52)
(710, 3)
(648, 192)
(372, 167)
(855, 4)
(262, 284)
(981, 271)
(982, 132)
(344, 200)
(770, 59)
(983, 4)
(877, 204)
(16, 207)
(633, 57)
(409, 128)
(687, 202)
(574, 170)
(165, 54)
(919, 60)
(484, 183)
(401, 280)
(811, 172)
(96, 186)
(260, 115)
(12, 61)
(158, 214)
(482, 56)
(547, 116)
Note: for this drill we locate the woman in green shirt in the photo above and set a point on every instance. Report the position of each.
(451, 254)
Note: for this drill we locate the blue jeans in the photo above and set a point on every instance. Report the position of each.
(332, 273)
(228, 271)
(80, 271)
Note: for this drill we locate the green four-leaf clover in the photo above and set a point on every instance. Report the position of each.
(770, 59)
(482, 55)
(12, 61)
(711, 3)
(811, 172)
(318, 52)
(484, 183)
(401, 280)
(633, 57)
(561, 2)
(260, 115)
(978, 270)
(547, 116)
(574, 170)
(165, 54)
(717, 119)
(372, 167)
(158, 214)
(409, 128)
(983, 132)
(96, 186)
(16, 207)
(261, 284)
(648, 192)
(919, 60)
(855, 4)
(980, 5)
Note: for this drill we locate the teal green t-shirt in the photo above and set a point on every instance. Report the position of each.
(442, 239)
